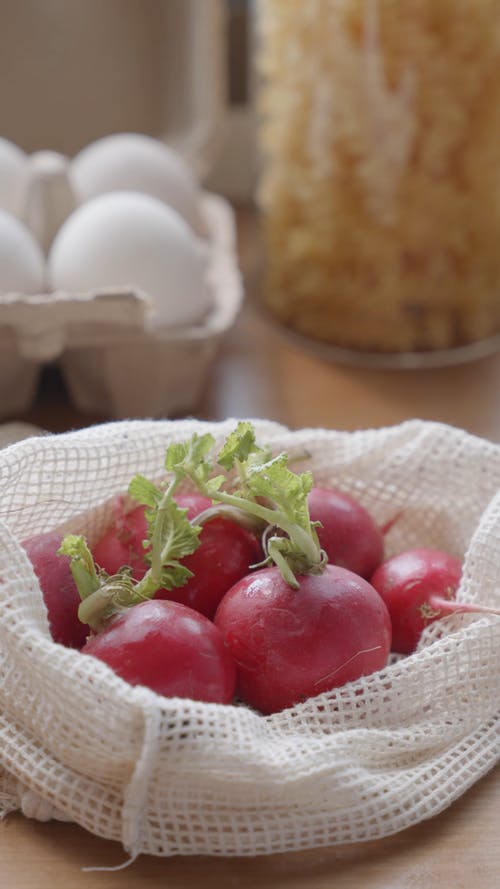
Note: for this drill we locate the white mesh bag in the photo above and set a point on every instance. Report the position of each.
(171, 776)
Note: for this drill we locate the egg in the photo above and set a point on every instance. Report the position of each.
(12, 176)
(22, 263)
(127, 239)
(136, 162)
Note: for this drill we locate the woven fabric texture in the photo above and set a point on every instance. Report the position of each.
(171, 776)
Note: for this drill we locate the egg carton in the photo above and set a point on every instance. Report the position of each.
(111, 363)
(114, 364)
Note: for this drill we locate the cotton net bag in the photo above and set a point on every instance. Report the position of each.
(172, 776)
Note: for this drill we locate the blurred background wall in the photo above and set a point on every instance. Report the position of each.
(72, 72)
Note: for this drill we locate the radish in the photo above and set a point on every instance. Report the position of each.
(290, 644)
(418, 587)
(296, 629)
(59, 590)
(122, 542)
(165, 646)
(170, 537)
(225, 553)
(346, 532)
(169, 648)
(303, 626)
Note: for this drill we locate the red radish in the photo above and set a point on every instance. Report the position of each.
(169, 648)
(290, 644)
(418, 586)
(122, 543)
(225, 553)
(347, 533)
(295, 630)
(59, 590)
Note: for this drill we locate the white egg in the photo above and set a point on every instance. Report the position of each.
(13, 163)
(136, 162)
(22, 263)
(126, 239)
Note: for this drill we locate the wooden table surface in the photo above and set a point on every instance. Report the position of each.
(261, 373)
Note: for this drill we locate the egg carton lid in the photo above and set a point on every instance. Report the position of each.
(157, 68)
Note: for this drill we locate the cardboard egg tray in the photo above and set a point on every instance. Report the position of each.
(169, 60)
(111, 364)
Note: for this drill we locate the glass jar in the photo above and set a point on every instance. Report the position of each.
(380, 192)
